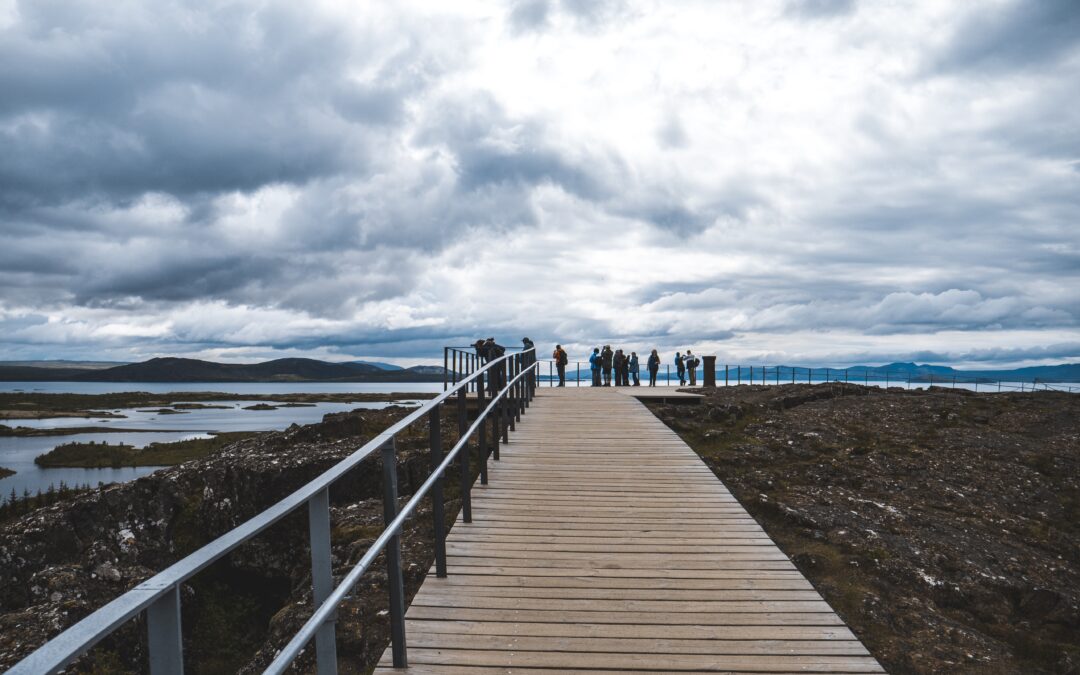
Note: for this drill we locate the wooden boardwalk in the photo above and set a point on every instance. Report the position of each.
(603, 544)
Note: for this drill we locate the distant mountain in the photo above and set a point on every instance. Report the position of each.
(65, 365)
(1065, 372)
(380, 365)
(194, 370)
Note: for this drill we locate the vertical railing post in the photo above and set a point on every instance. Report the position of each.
(482, 438)
(322, 577)
(437, 515)
(393, 557)
(463, 459)
(445, 368)
(505, 416)
(165, 635)
(726, 374)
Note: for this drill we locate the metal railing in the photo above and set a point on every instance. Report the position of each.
(509, 389)
(735, 374)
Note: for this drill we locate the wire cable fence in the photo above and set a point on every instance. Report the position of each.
(579, 374)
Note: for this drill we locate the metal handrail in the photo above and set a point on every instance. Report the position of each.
(160, 596)
(325, 611)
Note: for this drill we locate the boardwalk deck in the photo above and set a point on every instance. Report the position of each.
(603, 544)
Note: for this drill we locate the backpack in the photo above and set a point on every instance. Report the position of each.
(562, 358)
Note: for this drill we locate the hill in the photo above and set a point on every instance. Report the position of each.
(194, 370)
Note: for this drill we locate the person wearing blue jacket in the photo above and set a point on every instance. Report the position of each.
(594, 363)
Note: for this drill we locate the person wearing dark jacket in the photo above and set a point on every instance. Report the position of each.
(489, 350)
(680, 368)
(691, 362)
(618, 361)
(605, 364)
(635, 369)
(560, 358)
(654, 367)
(594, 364)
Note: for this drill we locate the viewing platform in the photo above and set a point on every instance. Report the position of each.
(603, 544)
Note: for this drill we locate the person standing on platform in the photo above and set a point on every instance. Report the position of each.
(561, 359)
(691, 362)
(594, 364)
(654, 367)
(680, 368)
(618, 361)
(605, 364)
(635, 369)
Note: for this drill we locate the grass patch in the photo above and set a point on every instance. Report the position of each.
(102, 455)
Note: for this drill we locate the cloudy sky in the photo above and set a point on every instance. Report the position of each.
(806, 182)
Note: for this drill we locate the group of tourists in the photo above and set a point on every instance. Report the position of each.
(606, 363)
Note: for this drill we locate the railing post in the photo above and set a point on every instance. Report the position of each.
(165, 635)
(322, 577)
(438, 517)
(482, 438)
(393, 557)
(463, 460)
(445, 366)
(505, 416)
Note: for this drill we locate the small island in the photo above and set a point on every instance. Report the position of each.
(5, 472)
(94, 455)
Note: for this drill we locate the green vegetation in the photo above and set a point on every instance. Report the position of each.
(15, 505)
(5, 472)
(100, 455)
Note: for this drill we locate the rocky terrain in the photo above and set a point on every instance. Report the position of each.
(943, 526)
(61, 562)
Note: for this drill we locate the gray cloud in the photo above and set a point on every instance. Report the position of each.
(1023, 35)
(819, 9)
(204, 179)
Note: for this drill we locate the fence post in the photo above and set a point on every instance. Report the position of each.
(505, 415)
(579, 373)
(726, 374)
(463, 460)
(482, 438)
(445, 368)
(165, 635)
(322, 577)
(393, 557)
(437, 515)
(738, 375)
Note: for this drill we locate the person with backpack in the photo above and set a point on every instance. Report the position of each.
(594, 364)
(618, 361)
(680, 368)
(654, 367)
(560, 357)
(635, 369)
(606, 355)
(489, 350)
(691, 362)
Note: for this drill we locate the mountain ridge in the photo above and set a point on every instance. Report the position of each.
(176, 369)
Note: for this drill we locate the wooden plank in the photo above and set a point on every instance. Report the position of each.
(634, 660)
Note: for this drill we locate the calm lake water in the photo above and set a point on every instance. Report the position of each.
(224, 387)
(18, 454)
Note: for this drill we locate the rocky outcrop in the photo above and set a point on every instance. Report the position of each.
(943, 525)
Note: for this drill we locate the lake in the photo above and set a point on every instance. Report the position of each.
(18, 453)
